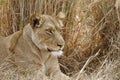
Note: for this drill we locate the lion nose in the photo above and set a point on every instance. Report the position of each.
(60, 45)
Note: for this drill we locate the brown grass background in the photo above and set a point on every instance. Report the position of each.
(91, 26)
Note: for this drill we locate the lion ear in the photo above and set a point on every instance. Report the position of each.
(61, 15)
(36, 20)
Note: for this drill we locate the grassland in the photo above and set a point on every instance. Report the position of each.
(91, 33)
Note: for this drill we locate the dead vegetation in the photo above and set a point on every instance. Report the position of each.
(90, 26)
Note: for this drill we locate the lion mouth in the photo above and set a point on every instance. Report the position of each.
(49, 50)
(56, 52)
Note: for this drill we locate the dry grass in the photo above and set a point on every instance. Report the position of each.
(91, 25)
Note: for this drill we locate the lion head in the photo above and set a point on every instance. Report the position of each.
(46, 33)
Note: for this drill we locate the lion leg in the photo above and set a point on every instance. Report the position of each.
(53, 70)
(58, 75)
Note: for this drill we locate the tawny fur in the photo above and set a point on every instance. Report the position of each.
(36, 45)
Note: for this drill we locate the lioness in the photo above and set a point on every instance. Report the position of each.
(39, 43)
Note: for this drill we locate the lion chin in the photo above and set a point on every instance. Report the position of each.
(57, 53)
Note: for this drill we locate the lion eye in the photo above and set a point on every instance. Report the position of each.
(49, 31)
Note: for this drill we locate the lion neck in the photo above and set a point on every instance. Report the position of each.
(26, 52)
(27, 33)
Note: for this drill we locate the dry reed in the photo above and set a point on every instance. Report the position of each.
(90, 25)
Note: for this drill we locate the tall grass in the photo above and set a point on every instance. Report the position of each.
(90, 26)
